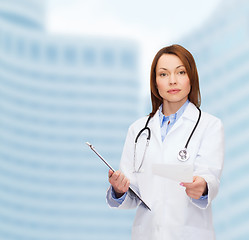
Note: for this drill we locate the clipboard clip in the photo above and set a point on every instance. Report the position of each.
(110, 167)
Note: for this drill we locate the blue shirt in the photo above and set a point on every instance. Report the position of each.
(167, 122)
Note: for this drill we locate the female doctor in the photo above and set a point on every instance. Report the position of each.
(179, 134)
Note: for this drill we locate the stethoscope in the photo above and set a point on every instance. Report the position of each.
(183, 154)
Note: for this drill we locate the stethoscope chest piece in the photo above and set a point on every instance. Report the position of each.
(183, 155)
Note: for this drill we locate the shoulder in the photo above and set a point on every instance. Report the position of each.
(208, 122)
(206, 118)
(211, 119)
(139, 123)
(211, 125)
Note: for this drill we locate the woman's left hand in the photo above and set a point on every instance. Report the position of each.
(197, 188)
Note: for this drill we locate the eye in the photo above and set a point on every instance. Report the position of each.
(163, 74)
(182, 72)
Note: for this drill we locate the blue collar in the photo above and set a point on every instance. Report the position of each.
(173, 117)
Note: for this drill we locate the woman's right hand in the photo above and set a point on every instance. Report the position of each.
(119, 182)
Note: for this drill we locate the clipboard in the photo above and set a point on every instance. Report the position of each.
(109, 166)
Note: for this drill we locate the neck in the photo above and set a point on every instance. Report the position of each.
(171, 107)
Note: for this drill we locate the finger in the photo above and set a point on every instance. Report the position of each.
(121, 186)
(113, 178)
(200, 183)
(195, 193)
(117, 180)
(110, 173)
(196, 181)
(122, 181)
(116, 175)
(127, 185)
(187, 185)
(122, 178)
(192, 194)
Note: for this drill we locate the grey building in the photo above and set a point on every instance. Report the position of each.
(56, 93)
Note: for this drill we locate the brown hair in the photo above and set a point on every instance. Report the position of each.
(189, 63)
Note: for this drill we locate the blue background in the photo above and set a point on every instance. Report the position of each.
(58, 91)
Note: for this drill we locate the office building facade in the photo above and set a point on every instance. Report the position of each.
(221, 50)
(56, 93)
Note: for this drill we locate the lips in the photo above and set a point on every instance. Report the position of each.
(173, 91)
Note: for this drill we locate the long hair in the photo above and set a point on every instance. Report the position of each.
(189, 63)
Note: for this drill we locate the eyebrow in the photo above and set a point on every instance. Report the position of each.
(176, 67)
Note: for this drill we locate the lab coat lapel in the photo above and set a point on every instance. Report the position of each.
(155, 126)
(176, 125)
(190, 113)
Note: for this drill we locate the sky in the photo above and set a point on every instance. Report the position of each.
(153, 24)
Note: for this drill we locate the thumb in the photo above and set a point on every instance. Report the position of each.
(195, 179)
(188, 184)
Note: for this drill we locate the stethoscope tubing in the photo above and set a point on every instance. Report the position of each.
(143, 129)
(148, 140)
(190, 136)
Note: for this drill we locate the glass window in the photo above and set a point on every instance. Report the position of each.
(20, 47)
(35, 50)
(70, 55)
(108, 57)
(89, 56)
(128, 60)
(51, 53)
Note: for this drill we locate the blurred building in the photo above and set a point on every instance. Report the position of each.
(56, 93)
(221, 50)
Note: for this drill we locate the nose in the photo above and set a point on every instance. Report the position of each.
(172, 79)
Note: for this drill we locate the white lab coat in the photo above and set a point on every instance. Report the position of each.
(173, 215)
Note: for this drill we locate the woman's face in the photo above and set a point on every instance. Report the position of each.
(172, 81)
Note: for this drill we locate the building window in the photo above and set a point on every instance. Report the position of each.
(7, 42)
(51, 53)
(89, 57)
(108, 58)
(128, 60)
(35, 51)
(20, 47)
(70, 55)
